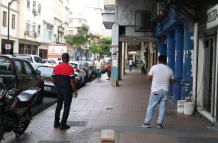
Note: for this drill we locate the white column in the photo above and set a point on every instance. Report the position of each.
(123, 60)
(115, 48)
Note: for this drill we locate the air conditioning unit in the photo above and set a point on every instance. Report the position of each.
(26, 32)
(36, 34)
(34, 12)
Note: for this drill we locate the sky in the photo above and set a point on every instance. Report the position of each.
(78, 5)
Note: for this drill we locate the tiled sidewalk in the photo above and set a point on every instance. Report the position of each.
(101, 106)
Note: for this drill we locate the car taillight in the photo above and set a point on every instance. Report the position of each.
(14, 103)
(77, 70)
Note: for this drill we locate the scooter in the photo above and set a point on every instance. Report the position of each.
(15, 109)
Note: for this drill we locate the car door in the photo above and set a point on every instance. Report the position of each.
(32, 77)
(21, 77)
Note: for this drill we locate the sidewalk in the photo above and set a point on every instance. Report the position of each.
(100, 106)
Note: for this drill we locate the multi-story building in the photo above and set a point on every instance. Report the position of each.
(9, 31)
(33, 25)
(75, 20)
(30, 26)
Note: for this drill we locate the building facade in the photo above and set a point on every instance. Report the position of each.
(132, 36)
(9, 32)
(33, 25)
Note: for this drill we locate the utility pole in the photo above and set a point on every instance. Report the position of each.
(60, 26)
(8, 44)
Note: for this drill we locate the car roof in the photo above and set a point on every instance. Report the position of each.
(12, 57)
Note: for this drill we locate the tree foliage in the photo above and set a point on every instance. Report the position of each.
(81, 38)
(102, 46)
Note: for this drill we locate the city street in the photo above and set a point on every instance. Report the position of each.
(100, 106)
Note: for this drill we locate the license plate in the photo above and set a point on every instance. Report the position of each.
(47, 88)
(1, 80)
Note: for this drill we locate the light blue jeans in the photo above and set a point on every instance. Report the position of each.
(155, 98)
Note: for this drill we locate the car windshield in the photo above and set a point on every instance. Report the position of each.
(45, 71)
(74, 65)
(5, 66)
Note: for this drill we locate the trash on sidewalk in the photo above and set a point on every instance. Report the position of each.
(107, 136)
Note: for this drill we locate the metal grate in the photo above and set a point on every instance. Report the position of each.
(50, 141)
(77, 123)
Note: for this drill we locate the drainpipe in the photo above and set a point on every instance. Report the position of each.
(170, 54)
(178, 62)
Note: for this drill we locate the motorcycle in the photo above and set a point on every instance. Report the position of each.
(15, 109)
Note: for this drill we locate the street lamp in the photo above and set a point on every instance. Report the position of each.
(60, 26)
(9, 4)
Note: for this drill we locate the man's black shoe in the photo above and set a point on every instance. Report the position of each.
(56, 125)
(64, 127)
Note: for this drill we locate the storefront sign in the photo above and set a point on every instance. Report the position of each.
(56, 50)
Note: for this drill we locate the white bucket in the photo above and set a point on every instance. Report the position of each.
(180, 106)
(188, 108)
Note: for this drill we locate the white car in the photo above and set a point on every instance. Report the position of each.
(79, 71)
(34, 60)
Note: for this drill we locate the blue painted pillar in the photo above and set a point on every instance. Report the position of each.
(187, 66)
(161, 49)
(170, 54)
(179, 38)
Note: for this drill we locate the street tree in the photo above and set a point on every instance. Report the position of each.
(102, 46)
(80, 39)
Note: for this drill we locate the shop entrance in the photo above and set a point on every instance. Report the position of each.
(210, 75)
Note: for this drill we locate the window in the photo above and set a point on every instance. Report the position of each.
(34, 28)
(143, 21)
(4, 19)
(34, 4)
(19, 67)
(38, 60)
(39, 29)
(28, 68)
(28, 3)
(39, 8)
(13, 21)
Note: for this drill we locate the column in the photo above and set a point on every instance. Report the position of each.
(123, 60)
(126, 56)
(115, 48)
(161, 48)
(170, 54)
(187, 66)
(179, 38)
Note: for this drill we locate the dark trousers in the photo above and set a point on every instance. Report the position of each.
(64, 96)
(143, 70)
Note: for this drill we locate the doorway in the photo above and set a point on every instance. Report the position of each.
(209, 85)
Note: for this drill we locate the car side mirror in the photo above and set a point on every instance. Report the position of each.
(38, 72)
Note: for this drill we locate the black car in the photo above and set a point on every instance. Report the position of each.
(46, 73)
(19, 73)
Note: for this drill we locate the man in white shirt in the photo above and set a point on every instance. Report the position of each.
(98, 66)
(161, 76)
(130, 64)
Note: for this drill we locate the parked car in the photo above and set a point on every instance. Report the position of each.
(34, 60)
(19, 73)
(79, 71)
(46, 73)
(87, 68)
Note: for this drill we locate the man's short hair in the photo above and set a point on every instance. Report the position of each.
(162, 59)
(65, 57)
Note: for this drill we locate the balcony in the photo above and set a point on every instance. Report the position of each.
(108, 13)
(109, 4)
